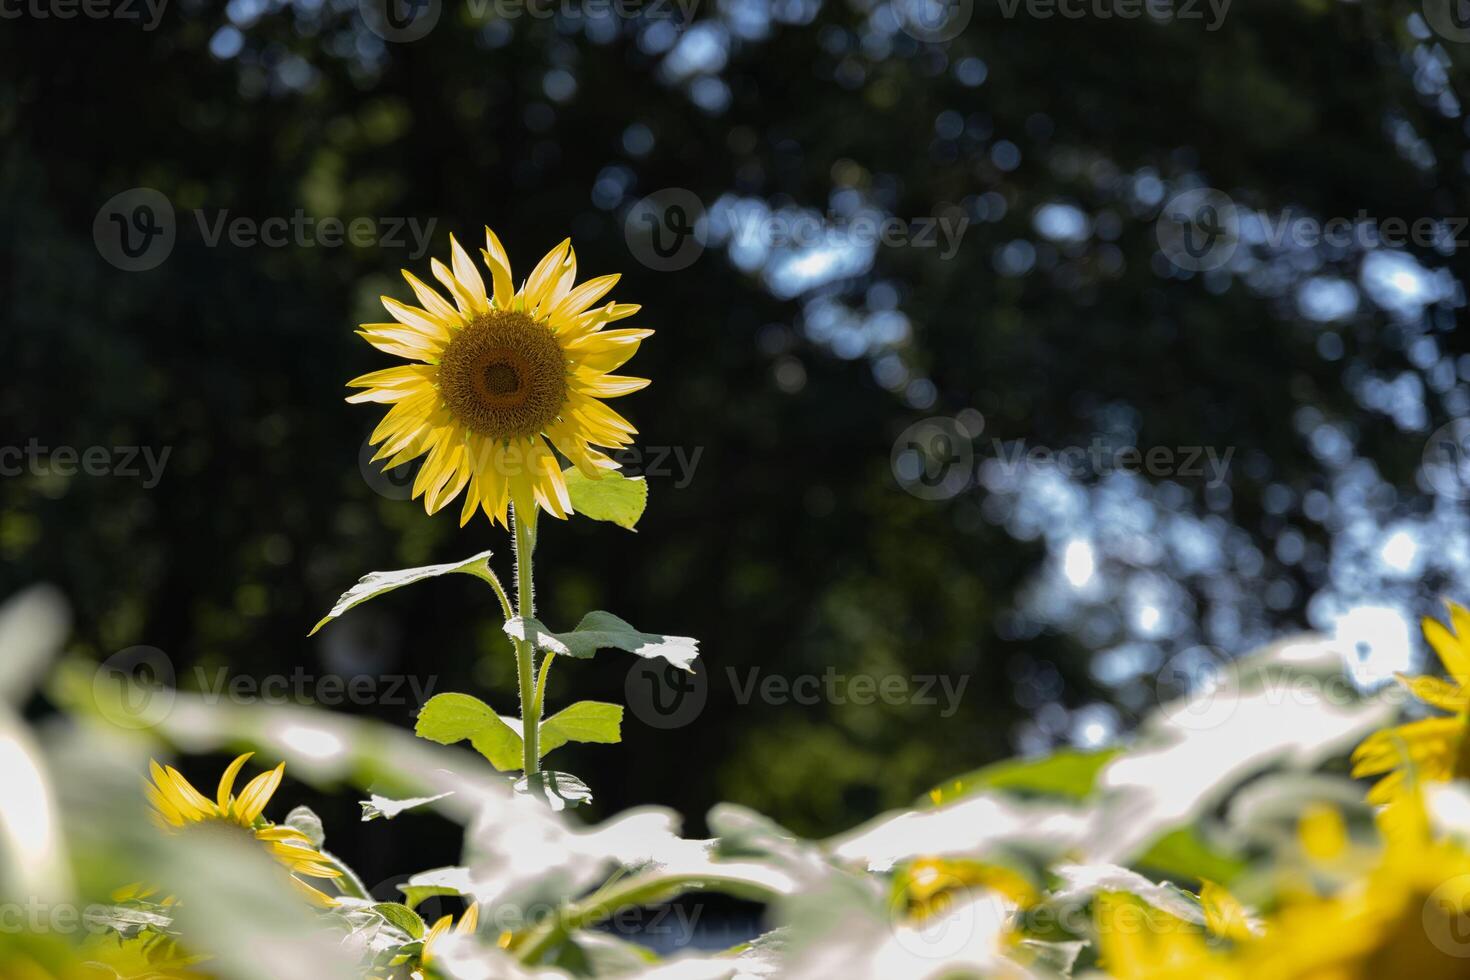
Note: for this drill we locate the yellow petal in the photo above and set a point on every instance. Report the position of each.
(1451, 649)
(437, 306)
(545, 276)
(257, 794)
(499, 264)
(421, 320)
(227, 782)
(1436, 691)
(468, 276)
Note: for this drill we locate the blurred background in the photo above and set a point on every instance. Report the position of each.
(997, 358)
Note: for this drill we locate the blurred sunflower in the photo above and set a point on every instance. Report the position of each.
(1431, 749)
(498, 373)
(465, 927)
(177, 804)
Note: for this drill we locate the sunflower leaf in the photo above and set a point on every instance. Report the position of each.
(374, 584)
(434, 883)
(585, 721)
(611, 497)
(403, 917)
(304, 819)
(561, 790)
(450, 718)
(388, 808)
(599, 630)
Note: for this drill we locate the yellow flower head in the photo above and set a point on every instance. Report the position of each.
(1427, 750)
(177, 804)
(465, 927)
(497, 374)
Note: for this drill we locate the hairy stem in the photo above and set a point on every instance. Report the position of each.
(525, 545)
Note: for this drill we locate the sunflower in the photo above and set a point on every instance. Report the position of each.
(1431, 749)
(465, 927)
(500, 378)
(177, 804)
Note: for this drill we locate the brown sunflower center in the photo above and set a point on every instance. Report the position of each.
(504, 375)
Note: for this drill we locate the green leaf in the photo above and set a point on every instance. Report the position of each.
(599, 630)
(1068, 773)
(612, 497)
(304, 819)
(1182, 853)
(450, 718)
(431, 884)
(585, 721)
(561, 790)
(403, 917)
(386, 808)
(374, 584)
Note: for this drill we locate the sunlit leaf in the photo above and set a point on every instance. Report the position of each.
(374, 584)
(450, 718)
(600, 630)
(1068, 773)
(585, 721)
(305, 820)
(403, 917)
(559, 789)
(612, 497)
(381, 806)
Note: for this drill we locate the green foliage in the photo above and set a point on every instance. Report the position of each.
(450, 718)
(374, 584)
(585, 721)
(611, 497)
(602, 630)
(1069, 773)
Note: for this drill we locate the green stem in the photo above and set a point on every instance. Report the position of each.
(525, 545)
(541, 684)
